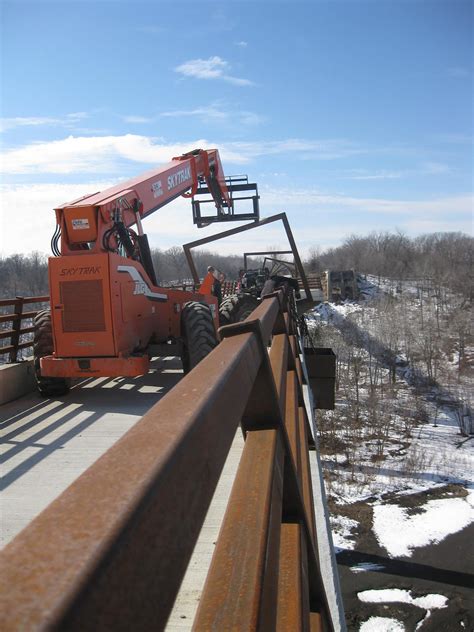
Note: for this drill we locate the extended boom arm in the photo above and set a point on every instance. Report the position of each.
(101, 221)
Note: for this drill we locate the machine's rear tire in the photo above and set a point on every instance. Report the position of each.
(43, 346)
(236, 308)
(198, 334)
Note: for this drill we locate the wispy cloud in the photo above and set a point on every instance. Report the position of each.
(69, 120)
(435, 168)
(136, 118)
(453, 139)
(459, 72)
(317, 217)
(241, 44)
(106, 154)
(208, 112)
(152, 29)
(377, 175)
(217, 113)
(212, 68)
(329, 202)
(426, 168)
(100, 154)
(304, 149)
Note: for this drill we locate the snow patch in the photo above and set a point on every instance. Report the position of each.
(341, 532)
(398, 595)
(400, 533)
(382, 624)
(366, 566)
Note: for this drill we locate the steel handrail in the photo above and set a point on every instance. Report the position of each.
(111, 551)
(16, 317)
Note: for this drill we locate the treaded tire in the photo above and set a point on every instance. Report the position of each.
(198, 334)
(43, 346)
(236, 308)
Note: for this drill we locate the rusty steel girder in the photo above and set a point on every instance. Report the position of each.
(111, 551)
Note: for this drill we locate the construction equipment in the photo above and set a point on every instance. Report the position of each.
(254, 284)
(106, 306)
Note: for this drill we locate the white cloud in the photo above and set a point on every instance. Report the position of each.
(241, 44)
(30, 215)
(99, 154)
(459, 204)
(316, 218)
(212, 68)
(69, 120)
(105, 154)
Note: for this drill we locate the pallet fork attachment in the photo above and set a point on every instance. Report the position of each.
(239, 189)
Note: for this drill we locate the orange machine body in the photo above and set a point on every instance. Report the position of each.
(106, 306)
(105, 313)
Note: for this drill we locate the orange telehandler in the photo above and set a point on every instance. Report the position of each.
(106, 306)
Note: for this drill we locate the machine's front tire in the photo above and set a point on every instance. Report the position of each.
(198, 334)
(43, 346)
(236, 308)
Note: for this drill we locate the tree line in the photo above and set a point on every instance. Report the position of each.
(444, 258)
(27, 274)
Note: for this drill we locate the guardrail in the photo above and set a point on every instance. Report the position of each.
(16, 317)
(111, 551)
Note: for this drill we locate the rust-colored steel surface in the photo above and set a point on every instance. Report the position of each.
(292, 608)
(111, 551)
(16, 318)
(234, 231)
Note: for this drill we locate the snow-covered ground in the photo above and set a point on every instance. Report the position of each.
(399, 533)
(415, 472)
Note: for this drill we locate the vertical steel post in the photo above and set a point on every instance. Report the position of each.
(16, 328)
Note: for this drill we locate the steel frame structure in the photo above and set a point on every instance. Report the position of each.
(234, 231)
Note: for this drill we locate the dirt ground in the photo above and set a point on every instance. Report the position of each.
(445, 568)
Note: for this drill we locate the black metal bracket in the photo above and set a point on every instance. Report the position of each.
(240, 190)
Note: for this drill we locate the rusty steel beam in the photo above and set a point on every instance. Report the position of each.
(268, 610)
(316, 622)
(232, 595)
(306, 483)
(296, 255)
(292, 422)
(226, 233)
(261, 408)
(278, 361)
(111, 551)
(290, 615)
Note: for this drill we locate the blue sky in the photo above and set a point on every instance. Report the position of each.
(351, 116)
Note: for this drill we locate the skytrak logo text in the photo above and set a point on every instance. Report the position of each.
(82, 271)
(179, 177)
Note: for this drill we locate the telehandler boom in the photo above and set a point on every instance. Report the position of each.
(106, 306)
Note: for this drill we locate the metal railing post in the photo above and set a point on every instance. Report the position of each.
(16, 327)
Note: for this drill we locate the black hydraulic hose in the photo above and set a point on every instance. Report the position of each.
(54, 241)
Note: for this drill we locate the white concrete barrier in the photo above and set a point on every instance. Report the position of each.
(16, 380)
